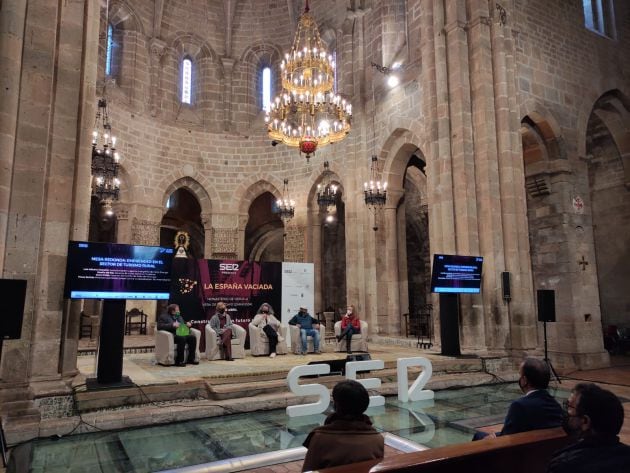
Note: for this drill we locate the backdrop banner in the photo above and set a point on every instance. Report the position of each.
(298, 290)
(197, 286)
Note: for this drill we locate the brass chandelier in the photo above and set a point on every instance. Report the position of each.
(285, 206)
(326, 191)
(308, 114)
(105, 159)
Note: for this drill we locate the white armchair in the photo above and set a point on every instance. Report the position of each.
(165, 347)
(259, 343)
(296, 343)
(359, 340)
(214, 350)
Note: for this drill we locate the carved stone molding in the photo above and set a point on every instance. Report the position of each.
(144, 232)
(501, 14)
(294, 250)
(224, 240)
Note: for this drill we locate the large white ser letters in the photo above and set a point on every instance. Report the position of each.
(405, 393)
(416, 391)
(353, 367)
(308, 390)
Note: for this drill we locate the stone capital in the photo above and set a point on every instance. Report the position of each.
(228, 64)
(156, 48)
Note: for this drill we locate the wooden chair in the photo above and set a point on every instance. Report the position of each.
(85, 326)
(132, 324)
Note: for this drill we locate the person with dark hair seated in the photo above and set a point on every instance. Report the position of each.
(537, 409)
(594, 416)
(347, 435)
(173, 322)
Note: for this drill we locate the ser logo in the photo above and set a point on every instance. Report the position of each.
(228, 266)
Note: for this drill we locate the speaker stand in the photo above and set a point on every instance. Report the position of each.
(547, 360)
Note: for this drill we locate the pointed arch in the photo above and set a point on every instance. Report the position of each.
(197, 187)
(250, 189)
(123, 16)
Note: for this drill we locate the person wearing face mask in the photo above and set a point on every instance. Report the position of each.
(537, 409)
(221, 323)
(173, 322)
(265, 320)
(594, 417)
(350, 325)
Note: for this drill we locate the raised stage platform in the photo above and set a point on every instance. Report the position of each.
(163, 394)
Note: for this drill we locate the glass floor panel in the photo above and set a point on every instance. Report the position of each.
(448, 419)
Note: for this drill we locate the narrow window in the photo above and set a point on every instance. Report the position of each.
(108, 54)
(186, 80)
(599, 16)
(266, 88)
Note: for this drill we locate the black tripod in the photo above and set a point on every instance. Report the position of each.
(547, 360)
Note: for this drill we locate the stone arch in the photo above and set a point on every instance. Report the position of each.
(585, 109)
(258, 50)
(127, 184)
(189, 44)
(191, 184)
(396, 152)
(613, 110)
(541, 135)
(316, 177)
(123, 16)
(248, 70)
(247, 192)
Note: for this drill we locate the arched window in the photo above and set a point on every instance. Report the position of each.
(266, 88)
(110, 45)
(186, 80)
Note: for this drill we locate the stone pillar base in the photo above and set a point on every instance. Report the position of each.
(581, 361)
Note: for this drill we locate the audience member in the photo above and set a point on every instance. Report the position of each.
(308, 327)
(266, 320)
(537, 409)
(347, 435)
(594, 416)
(221, 323)
(173, 322)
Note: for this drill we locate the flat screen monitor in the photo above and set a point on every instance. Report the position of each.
(456, 274)
(117, 271)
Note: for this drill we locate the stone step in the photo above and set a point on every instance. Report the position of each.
(20, 410)
(388, 379)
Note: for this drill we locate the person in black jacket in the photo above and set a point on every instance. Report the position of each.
(537, 409)
(172, 321)
(595, 416)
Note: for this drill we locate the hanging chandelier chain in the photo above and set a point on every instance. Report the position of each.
(105, 158)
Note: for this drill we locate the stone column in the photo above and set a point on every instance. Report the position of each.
(392, 325)
(228, 69)
(316, 254)
(123, 224)
(521, 312)
(156, 51)
(12, 16)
